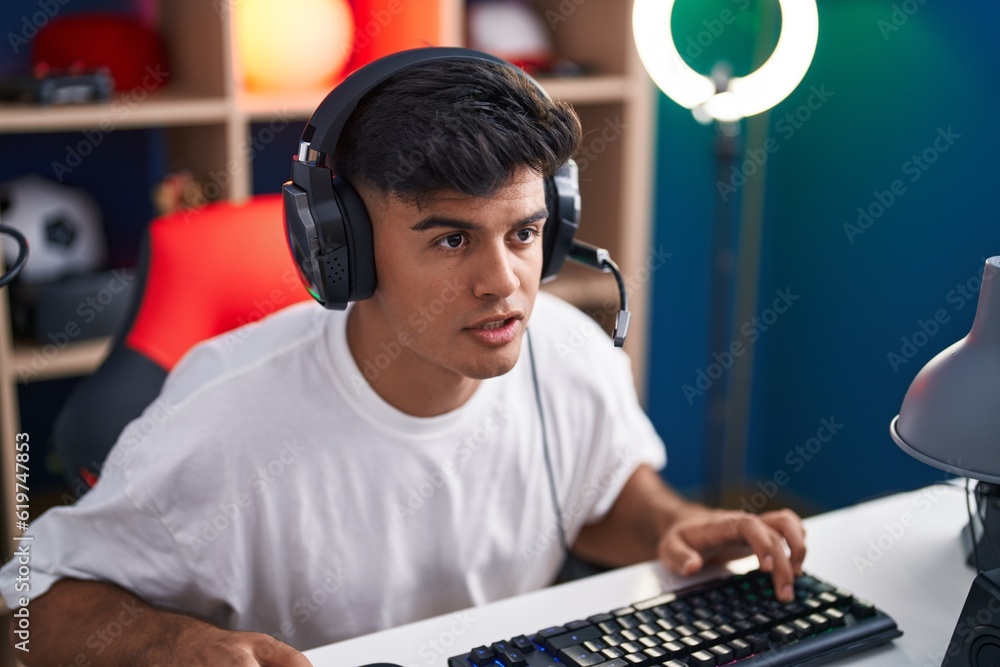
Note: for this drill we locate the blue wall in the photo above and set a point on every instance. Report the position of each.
(859, 293)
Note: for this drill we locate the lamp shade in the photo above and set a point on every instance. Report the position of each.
(950, 417)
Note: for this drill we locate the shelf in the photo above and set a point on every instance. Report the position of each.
(588, 89)
(583, 287)
(32, 365)
(267, 106)
(300, 105)
(167, 107)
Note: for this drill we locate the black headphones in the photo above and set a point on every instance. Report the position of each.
(329, 232)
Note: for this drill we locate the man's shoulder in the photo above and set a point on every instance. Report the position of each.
(562, 334)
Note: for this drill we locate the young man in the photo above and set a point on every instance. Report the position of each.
(339, 473)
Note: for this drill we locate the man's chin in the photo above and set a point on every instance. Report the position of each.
(493, 363)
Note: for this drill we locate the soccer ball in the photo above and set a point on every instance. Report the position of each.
(61, 224)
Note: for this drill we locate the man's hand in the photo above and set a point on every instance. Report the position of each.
(703, 535)
(206, 646)
(66, 618)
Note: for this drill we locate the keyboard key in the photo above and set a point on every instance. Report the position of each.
(654, 653)
(674, 663)
(701, 659)
(623, 611)
(609, 627)
(685, 630)
(727, 631)
(613, 639)
(595, 645)
(781, 634)
(644, 616)
(819, 621)
(693, 643)
(667, 636)
(675, 649)
(512, 658)
(862, 608)
(578, 656)
(631, 647)
(649, 642)
(628, 622)
(617, 662)
(631, 635)
(576, 625)
(553, 644)
(648, 629)
(612, 653)
(740, 648)
(836, 617)
(802, 628)
(523, 644)
(481, 655)
(758, 642)
(827, 598)
(722, 653)
(599, 618)
(709, 637)
(665, 624)
(636, 660)
(500, 647)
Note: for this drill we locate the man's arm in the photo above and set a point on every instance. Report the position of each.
(649, 520)
(98, 624)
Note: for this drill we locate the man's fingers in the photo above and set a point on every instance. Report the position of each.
(789, 525)
(278, 654)
(677, 555)
(769, 548)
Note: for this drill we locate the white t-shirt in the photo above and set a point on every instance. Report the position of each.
(269, 488)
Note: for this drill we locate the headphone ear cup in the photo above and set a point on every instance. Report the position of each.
(359, 242)
(562, 196)
(330, 236)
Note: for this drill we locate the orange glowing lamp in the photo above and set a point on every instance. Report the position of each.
(293, 45)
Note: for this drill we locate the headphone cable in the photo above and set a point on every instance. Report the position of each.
(22, 254)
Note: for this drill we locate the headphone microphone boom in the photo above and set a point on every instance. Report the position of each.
(327, 225)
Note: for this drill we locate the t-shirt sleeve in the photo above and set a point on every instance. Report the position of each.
(103, 537)
(108, 535)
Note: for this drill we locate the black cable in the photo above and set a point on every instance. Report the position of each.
(981, 513)
(972, 527)
(600, 259)
(545, 445)
(22, 254)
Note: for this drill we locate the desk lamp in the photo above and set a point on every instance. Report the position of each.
(725, 100)
(950, 419)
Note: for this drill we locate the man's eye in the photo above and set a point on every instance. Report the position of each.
(527, 234)
(453, 241)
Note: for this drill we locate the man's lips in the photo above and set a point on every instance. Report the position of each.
(495, 321)
(495, 331)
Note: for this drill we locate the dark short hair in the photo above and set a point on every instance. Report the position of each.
(460, 125)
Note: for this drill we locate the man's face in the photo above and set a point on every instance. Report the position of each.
(457, 278)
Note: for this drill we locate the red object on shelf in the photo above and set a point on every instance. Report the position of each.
(382, 27)
(130, 49)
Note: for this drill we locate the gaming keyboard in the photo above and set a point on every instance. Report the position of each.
(731, 621)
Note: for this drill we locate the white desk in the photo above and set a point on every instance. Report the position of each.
(903, 553)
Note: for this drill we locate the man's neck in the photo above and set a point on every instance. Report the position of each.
(409, 383)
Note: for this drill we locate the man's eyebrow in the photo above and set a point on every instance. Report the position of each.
(443, 222)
